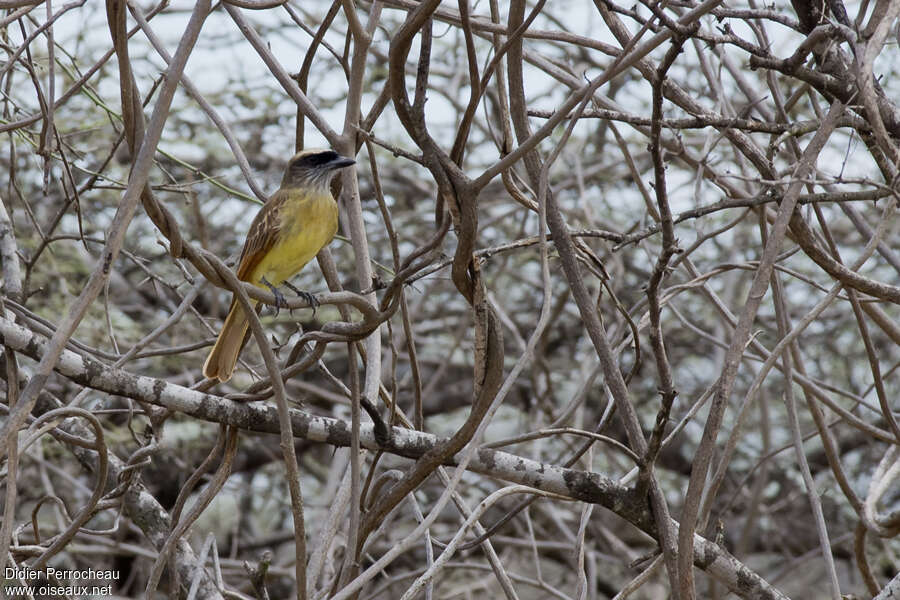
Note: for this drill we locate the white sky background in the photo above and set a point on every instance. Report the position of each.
(226, 69)
(215, 65)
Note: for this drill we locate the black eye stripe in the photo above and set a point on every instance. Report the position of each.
(316, 160)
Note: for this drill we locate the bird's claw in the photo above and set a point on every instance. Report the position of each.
(310, 298)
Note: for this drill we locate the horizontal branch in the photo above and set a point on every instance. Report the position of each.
(262, 418)
(578, 485)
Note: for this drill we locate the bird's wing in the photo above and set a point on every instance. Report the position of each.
(262, 235)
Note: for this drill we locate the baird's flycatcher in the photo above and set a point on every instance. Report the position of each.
(290, 229)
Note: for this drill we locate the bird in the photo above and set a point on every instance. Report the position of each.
(292, 227)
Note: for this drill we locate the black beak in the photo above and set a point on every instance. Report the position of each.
(339, 162)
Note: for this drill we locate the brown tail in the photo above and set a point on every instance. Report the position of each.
(224, 354)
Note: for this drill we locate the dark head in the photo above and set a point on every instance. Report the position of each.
(314, 168)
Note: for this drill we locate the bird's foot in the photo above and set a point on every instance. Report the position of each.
(310, 298)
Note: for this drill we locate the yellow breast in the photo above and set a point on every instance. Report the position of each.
(308, 222)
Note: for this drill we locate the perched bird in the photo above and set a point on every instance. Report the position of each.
(289, 230)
